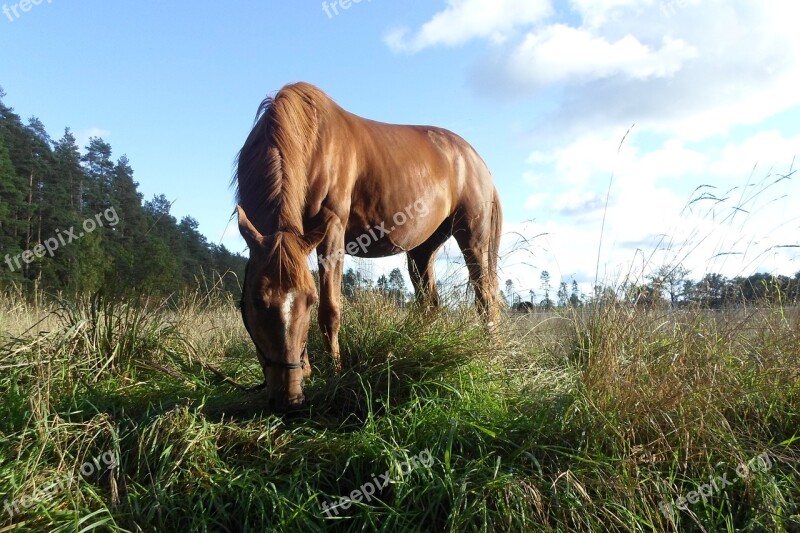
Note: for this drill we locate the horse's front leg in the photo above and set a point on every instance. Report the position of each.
(330, 256)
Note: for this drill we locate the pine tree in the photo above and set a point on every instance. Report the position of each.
(563, 294)
(161, 257)
(574, 297)
(11, 197)
(99, 173)
(510, 292)
(68, 165)
(194, 250)
(397, 286)
(131, 228)
(383, 285)
(544, 280)
(349, 284)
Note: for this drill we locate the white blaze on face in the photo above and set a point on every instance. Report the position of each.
(286, 310)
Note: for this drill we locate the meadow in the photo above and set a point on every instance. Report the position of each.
(607, 418)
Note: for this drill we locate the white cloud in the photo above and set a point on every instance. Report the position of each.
(705, 68)
(749, 210)
(764, 149)
(697, 68)
(595, 13)
(536, 200)
(561, 53)
(578, 203)
(464, 20)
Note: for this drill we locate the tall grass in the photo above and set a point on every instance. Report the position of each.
(585, 420)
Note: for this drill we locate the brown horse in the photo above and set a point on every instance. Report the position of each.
(312, 175)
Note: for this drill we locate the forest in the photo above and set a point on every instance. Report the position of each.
(50, 191)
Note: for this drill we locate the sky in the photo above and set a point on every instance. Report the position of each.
(622, 135)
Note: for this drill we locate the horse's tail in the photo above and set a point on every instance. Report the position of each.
(496, 231)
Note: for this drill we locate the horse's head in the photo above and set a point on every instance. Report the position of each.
(277, 298)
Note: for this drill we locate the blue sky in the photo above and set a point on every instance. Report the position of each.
(544, 90)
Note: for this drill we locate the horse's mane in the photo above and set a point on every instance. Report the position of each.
(271, 178)
(287, 262)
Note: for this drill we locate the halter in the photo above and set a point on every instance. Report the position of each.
(280, 364)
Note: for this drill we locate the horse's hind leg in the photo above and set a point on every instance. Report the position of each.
(421, 266)
(477, 232)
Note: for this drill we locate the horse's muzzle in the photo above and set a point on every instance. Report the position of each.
(287, 405)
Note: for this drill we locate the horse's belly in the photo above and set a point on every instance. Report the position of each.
(404, 219)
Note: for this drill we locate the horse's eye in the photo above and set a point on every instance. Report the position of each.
(259, 304)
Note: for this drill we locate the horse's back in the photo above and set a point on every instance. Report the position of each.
(420, 160)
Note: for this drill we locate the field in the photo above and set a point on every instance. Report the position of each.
(124, 417)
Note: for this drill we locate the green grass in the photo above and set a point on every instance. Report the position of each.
(583, 421)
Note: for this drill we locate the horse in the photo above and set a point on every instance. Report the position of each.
(312, 175)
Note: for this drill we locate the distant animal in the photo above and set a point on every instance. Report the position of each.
(313, 176)
(524, 307)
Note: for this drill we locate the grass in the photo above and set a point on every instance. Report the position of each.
(583, 420)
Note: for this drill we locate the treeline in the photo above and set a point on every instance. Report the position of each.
(77, 223)
(715, 291)
(356, 284)
(670, 286)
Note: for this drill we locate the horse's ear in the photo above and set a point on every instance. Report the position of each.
(250, 234)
